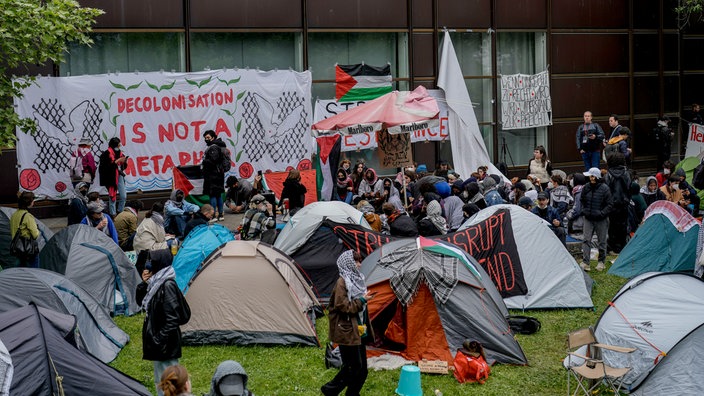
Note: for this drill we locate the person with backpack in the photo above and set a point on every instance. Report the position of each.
(619, 182)
(215, 162)
(82, 163)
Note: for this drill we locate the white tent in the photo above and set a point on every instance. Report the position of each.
(654, 312)
(552, 276)
(304, 223)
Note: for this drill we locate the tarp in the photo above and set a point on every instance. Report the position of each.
(45, 344)
(250, 293)
(399, 112)
(93, 261)
(7, 260)
(430, 298)
(195, 248)
(665, 242)
(47, 289)
(502, 238)
(652, 313)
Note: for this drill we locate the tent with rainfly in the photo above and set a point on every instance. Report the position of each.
(429, 298)
(94, 261)
(665, 242)
(7, 260)
(247, 292)
(313, 244)
(49, 358)
(658, 314)
(47, 289)
(201, 241)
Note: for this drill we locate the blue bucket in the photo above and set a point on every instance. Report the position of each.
(409, 382)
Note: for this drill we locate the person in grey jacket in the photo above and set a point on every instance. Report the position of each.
(230, 379)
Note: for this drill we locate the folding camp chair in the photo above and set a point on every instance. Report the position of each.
(588, 370)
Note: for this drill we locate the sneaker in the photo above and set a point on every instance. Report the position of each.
(221, 218)
(600, 266)
(213, 220)
(585, 266)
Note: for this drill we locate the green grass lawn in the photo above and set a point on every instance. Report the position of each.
(301, 371)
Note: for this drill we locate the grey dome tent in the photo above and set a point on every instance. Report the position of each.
(430, 297)
(6, 370)
(525, 250)
(44, 344)
(47, 289)
(247, 292)
(7, 260)
(94, 261)
(653, 312)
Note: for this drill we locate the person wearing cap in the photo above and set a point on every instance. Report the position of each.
(166, 310)
(551, 215)
(83, 159)
(238, 193)
(230, 379)
(202, 217)
(257, 219)
(526, 203)
(96, 219)
(596, 206)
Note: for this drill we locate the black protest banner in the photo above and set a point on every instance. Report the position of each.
(491, 242)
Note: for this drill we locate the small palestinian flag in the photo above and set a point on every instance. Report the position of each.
(361, 82)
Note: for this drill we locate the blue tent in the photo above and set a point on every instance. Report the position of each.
(201, 241)
(665, 242)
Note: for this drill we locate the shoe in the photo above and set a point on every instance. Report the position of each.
(221, 218)
(600, 266)
(585, 266)
(213, 220)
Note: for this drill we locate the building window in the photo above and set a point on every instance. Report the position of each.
(126, 52)
(520, 53)
(266, 51)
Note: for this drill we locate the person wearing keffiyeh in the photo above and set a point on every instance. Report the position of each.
(347, 301)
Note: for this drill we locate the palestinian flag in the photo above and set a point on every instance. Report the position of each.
(328, 161)
(361, 82)
(188, 179)
(448, 250)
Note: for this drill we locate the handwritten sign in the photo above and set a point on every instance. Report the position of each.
(525, 101)
(395, 149)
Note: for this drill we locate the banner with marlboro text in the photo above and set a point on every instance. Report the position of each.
(263, 117)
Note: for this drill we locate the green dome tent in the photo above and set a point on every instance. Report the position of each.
(688, 164)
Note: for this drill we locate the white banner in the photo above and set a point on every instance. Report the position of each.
(695, 141)
(436, 130)
(263, 118)
(525, 101)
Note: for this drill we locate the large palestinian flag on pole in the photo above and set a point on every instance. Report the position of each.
(361, 82)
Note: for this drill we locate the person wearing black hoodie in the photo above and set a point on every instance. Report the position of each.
(619, 182)
(213, 172)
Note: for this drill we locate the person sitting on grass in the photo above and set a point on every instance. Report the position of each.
(96, 219)
(229, 379)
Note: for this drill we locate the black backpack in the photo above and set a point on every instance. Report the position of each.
(698, 176)
(523, 324)
(225, 161)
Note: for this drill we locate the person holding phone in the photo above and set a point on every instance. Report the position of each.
(112, 165)
(590, 141)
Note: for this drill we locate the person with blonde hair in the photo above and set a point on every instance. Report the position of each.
(175, 381)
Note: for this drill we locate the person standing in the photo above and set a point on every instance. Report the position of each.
(540, 166)
(24, 222)
(348, 302)
(113, 163)
(596, 206)
(663, 135)
(213, 172)
(83, 163)
(166, 310)
(590, 138)
(619, 182)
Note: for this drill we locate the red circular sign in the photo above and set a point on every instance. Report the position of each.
(60, 186)
(246, 170)
(30, 179)
(305, 165)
